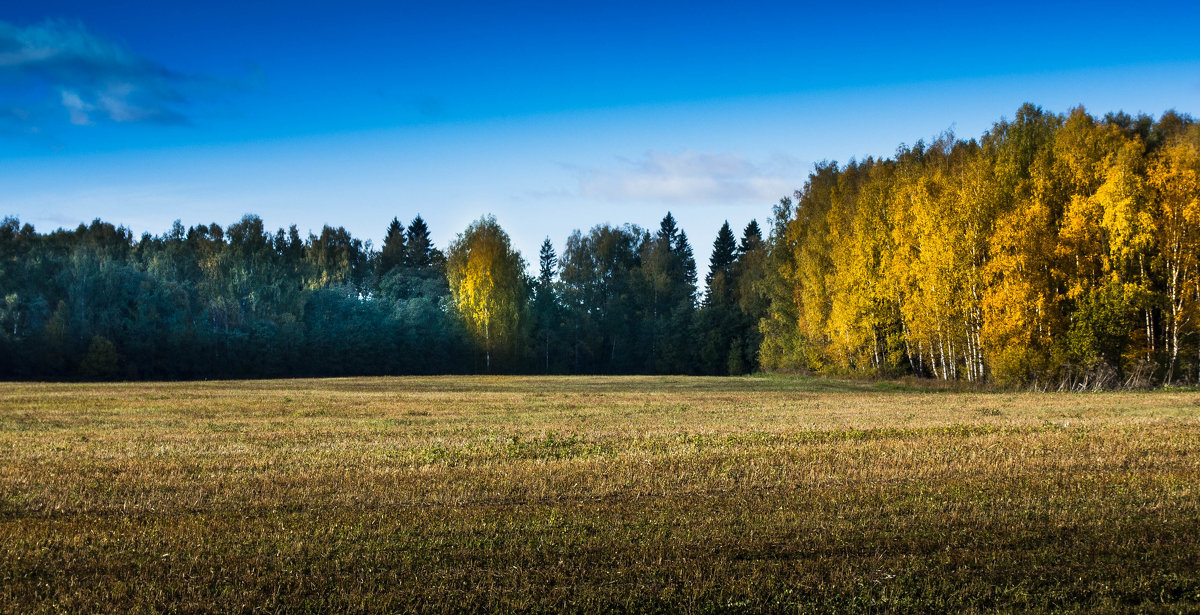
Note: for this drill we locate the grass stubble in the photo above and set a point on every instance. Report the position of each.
(437, 494)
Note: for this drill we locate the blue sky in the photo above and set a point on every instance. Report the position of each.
(552, 116)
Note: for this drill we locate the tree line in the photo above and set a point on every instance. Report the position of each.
(1054, 251)
(212, 302)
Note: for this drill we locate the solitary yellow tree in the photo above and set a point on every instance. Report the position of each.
(485, 275)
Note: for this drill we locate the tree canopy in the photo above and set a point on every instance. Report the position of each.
(1056, 250)
(487, 282)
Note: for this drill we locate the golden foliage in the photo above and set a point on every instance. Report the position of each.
(485, 276)
(1052, 245)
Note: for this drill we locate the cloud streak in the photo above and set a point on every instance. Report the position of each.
(693, 177)
(88, 79)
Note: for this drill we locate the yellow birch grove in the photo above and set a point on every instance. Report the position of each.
(1056, 251)
(1174, 186)
(860, 309)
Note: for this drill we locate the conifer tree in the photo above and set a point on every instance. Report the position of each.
(719, 280)
(546, 304)
(419, 252)
(751, 238)
(394, 249)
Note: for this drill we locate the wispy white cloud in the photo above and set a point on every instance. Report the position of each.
(693, 177)
(92, 78)
(77, 108)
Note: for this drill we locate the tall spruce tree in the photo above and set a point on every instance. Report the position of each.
(752, 299)
(751, 238)
(546, 304)
(668, 280)
(419, 251)
(687, 262)
(394, 250)
(719, 280)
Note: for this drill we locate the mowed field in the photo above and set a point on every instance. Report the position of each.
(595, 494)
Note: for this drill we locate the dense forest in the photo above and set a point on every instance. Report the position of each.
(207, 302)
(1055, 251)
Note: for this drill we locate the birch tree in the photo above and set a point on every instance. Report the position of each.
(1174, 182)
(486, 282)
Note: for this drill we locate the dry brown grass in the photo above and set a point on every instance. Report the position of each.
(587, 494)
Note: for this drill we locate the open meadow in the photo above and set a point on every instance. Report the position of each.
(595, 494)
